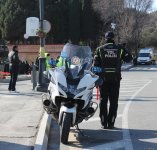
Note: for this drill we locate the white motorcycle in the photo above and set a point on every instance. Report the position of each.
(70, 91)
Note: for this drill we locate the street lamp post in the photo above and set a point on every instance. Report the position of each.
(41, 10)
(115, 28)
(42, 67)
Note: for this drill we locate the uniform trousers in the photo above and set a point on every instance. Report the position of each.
(13, 78)
(109, 92)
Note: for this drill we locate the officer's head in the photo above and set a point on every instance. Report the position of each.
(47, 55)
(109, 35)
(15, 48)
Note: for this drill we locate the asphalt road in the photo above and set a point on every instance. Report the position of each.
(136, 123)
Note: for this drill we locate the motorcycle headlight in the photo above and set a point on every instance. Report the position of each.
(74, 91)
(71, 89)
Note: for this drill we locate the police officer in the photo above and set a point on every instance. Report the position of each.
(47, 56)
(109, 58)
(13, 67)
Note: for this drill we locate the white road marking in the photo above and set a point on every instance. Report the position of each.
(128, 91)
(130, 88)
(122, 95)
(121, 103)
(152, 140)
(132, 85)
(125, 128)
(133, 82)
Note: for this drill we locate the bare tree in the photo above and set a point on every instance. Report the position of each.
(107, 9)
(129, 16)
(133, 20)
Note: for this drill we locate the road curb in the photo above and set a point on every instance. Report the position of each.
(43, 133)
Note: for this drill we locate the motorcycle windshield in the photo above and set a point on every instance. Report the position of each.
(78, 58)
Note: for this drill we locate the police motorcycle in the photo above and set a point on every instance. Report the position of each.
(70, 91)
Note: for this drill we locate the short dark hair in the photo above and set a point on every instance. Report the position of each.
(124, 44)
(14, 47)
(109, 35)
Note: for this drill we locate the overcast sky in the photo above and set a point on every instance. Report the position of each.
(154, 6)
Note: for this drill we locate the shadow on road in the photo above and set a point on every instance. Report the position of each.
(141, 139)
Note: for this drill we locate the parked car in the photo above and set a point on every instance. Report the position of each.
(146, 56)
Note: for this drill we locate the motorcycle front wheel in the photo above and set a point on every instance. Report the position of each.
(65, 127)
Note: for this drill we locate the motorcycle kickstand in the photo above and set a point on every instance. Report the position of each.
(77, 128)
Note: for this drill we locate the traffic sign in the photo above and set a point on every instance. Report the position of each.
(32, 24)
(46, 26)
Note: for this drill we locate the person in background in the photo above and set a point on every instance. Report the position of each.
(107, 64)
(52, 63)
(47, 56)
(22, 67)
(27, 67)
(13, 67)
(57, 59)
(60, 62)
(37, 62)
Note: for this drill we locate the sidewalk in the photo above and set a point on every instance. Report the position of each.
(20, 116)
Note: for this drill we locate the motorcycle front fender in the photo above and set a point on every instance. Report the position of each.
(65, 109)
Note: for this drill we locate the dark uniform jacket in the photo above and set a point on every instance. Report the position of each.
(13, 59)
(109, 57)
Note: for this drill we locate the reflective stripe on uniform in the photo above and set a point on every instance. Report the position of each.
(110, 69)
(121, 53)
